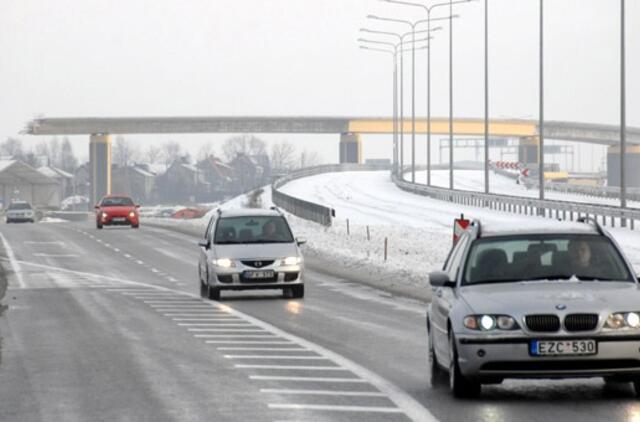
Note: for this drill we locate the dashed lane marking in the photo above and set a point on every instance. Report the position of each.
(292, 367)
(308, 379)
(368, 409)
(322, 392)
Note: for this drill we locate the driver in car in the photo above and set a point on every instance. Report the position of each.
(580, 253)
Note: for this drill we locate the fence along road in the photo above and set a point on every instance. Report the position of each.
(561, 210)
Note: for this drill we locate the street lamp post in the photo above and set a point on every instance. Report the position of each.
(429, 9)
(412, 25)
(486, 96)
(541, 122)
(623, 113)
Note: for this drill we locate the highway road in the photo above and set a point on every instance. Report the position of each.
(108, 325)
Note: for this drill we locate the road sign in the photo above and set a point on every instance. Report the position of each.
(459, 226)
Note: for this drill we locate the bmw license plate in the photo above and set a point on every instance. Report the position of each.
(257, 275)
(563, 347)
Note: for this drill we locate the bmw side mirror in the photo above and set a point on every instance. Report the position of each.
(440, 279)
(203, 243)
(301, 241)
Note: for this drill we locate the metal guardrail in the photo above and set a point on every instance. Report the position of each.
(308, 210)
(561, 210)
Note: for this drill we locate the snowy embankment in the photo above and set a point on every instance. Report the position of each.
(418, 229)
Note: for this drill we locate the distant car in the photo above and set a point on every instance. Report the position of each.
(117, 210)
(534, 302)
(247, 250)
(20, 212)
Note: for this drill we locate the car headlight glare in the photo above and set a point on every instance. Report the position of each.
(632, 320)
(291, 260)
(623, 320)
(105, 215)
(132, 214)
(490, 322)
(224, 263)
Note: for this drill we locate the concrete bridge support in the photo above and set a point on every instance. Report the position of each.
(528, 150)
(100, 166)
(350, 148)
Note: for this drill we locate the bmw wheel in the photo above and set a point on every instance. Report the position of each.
(461, 386)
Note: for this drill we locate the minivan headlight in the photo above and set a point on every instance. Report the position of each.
(291, 260)
(224, 263)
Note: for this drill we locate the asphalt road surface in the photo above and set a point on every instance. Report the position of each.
(108, 325)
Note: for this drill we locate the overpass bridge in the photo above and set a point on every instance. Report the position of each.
(349, 129)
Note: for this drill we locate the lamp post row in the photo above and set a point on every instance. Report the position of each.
(541, 139)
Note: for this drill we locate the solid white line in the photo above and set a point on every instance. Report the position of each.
(234, 336)
(244, 324)
(194, 314)
(15, 264)
(51, 255)
(333, 408)
(307, 379)
(293, 368)
(31, 242)
(275, 357)
(233, 319)
(263, 349)
(248, 342)
(322, 392)
(224, 330)
(157, 303)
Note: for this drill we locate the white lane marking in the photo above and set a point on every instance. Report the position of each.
(229, 319)
(50, 255)
(410, 406)
(321, 392)
(153, 270)
(334, 408)
(107, 245)
(272, 336)
(139, 262)
(262, 349)
(308, 379)
(293, 368)
(15, 264)
(271, 343)
(225, 330)
(127, 255)
(156, 302)
(173, 280)
(116, 250)
(195, 314)
(274, 357)
(197, 324)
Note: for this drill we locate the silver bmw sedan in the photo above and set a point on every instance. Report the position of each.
(554, 301)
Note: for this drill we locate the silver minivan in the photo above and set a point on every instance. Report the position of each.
(250, 249)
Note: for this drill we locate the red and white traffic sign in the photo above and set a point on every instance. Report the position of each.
(459, 226)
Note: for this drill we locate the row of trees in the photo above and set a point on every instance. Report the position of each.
(54, 153)
(58, 153)
(283, 155)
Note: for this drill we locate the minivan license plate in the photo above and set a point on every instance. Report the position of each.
(256, 275)
(563, 347)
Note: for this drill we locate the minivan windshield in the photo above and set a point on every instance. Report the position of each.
(544, 257)
(252, 229)
(20, 206)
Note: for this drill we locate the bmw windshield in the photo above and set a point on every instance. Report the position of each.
(252, 229)
(544, 257)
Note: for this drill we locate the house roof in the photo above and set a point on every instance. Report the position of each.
(54, 172)
(17, 172)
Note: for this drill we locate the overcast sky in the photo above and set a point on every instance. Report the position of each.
(299, 57)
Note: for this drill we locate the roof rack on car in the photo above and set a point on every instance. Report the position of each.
(596, 224)
(219, 211)
(476, 223)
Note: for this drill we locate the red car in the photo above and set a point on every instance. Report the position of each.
(117, 210)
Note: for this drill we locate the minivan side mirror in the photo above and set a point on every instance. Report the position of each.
(301, 241)
(440, 279)
(96, 206)
(138, 206)
(204, 243)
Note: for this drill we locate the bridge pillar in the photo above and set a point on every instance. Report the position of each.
(633, 164)
(350, 148)
(528, 150)
(100, 166)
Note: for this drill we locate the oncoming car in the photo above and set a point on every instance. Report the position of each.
(117, 210)
(247, 250)
(20, 212)
(556, 301)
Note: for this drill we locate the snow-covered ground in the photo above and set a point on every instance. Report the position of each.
(418, 229)
(473, 180)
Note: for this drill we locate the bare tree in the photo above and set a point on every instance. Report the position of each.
(152, 155)
(205, 151)
(124, 152)
(309, 159)
(243, 145)
(54, 152)
(283, 156)
(68, 161)
(171, 151)
(12, 147)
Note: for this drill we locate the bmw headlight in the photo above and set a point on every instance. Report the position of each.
(623, 320)
(291, 260)
(224, 263)
(490, 322)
